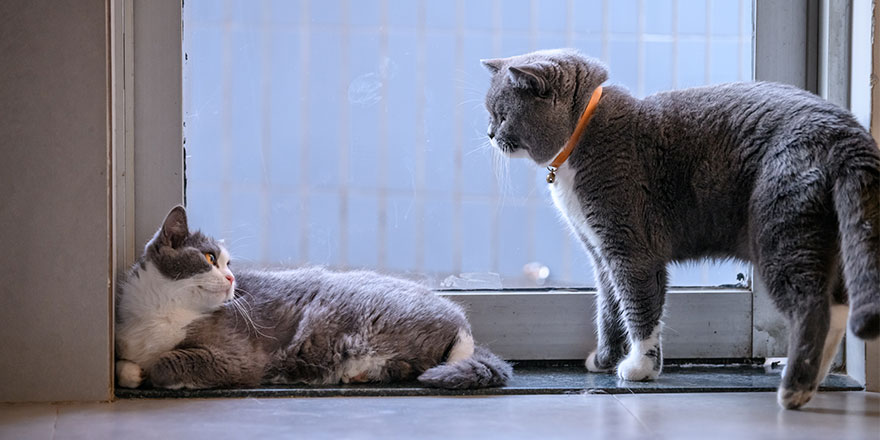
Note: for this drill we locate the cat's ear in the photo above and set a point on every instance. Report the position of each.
(494, 65)
(531, 76)
(174, 228)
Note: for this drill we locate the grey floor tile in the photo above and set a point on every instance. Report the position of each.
(829, 415)
(26, 421)
(509, 417)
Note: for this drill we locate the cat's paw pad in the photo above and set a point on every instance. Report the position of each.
(638, 368)
(592, 366)
(129, 374)
(793, 399)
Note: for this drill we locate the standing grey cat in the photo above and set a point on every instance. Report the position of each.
(185, 321)
(760, 172)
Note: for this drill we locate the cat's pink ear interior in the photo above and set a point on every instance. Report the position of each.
(174, 228)
(493, 66)
(531, 76)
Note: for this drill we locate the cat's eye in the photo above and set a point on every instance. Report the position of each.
(211, 258)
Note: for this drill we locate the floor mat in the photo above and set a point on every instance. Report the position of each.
(538, 378)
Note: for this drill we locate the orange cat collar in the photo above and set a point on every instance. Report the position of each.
(576, 136)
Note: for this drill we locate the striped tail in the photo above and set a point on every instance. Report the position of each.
(482, 369)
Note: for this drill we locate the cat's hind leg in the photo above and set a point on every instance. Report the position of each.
(809, 329)
(836, 330)
(795, 255)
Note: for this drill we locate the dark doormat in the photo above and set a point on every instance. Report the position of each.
(539, 378)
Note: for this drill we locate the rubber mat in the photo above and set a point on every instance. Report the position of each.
(538, 378)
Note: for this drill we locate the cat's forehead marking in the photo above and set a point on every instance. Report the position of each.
(204, 243)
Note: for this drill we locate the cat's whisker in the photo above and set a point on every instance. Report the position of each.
(501, 168)
(467, 84)
(250, 308)
(469, 101)
(238, 306)
(480, 137)
(479, 149)
(242, 238)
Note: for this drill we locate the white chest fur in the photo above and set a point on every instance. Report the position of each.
(152, 321)
(570, 206)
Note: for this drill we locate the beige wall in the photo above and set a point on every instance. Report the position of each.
(54, 201)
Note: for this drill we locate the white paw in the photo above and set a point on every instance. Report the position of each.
(592, 367)
(637, 367)
(129, 374)
(793, 399)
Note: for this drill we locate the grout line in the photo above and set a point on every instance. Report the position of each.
(531, 172)
(739, 45)
(266, 134)
(226, 81)
(606, 33)
(497, 32)
(569, 23)
(457, 221)
(344, 137)
(497, 198)
(421, 135)
(675, 41)
(434, 31)
(305, 65)
(707, 74)
(434, 195)
(640, 50)
(382, 222)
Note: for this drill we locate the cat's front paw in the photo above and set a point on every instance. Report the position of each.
(794, 399)
(129, 374)
(162, 375)
(595, 366)
(638, 367)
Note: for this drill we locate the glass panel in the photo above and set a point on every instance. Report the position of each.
(351, 133)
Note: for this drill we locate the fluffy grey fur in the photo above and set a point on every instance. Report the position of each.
(307, 325)
(760, 172)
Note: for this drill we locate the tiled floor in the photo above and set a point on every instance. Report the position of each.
(831, 415)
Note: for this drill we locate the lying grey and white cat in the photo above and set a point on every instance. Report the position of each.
(184, 321)
(760, 172)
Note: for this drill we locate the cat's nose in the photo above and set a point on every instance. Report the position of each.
(230, 278)
(491, 134)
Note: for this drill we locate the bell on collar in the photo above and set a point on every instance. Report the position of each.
(551, 176)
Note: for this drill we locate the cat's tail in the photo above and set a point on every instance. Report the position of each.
(481, 369)
(857, 202)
